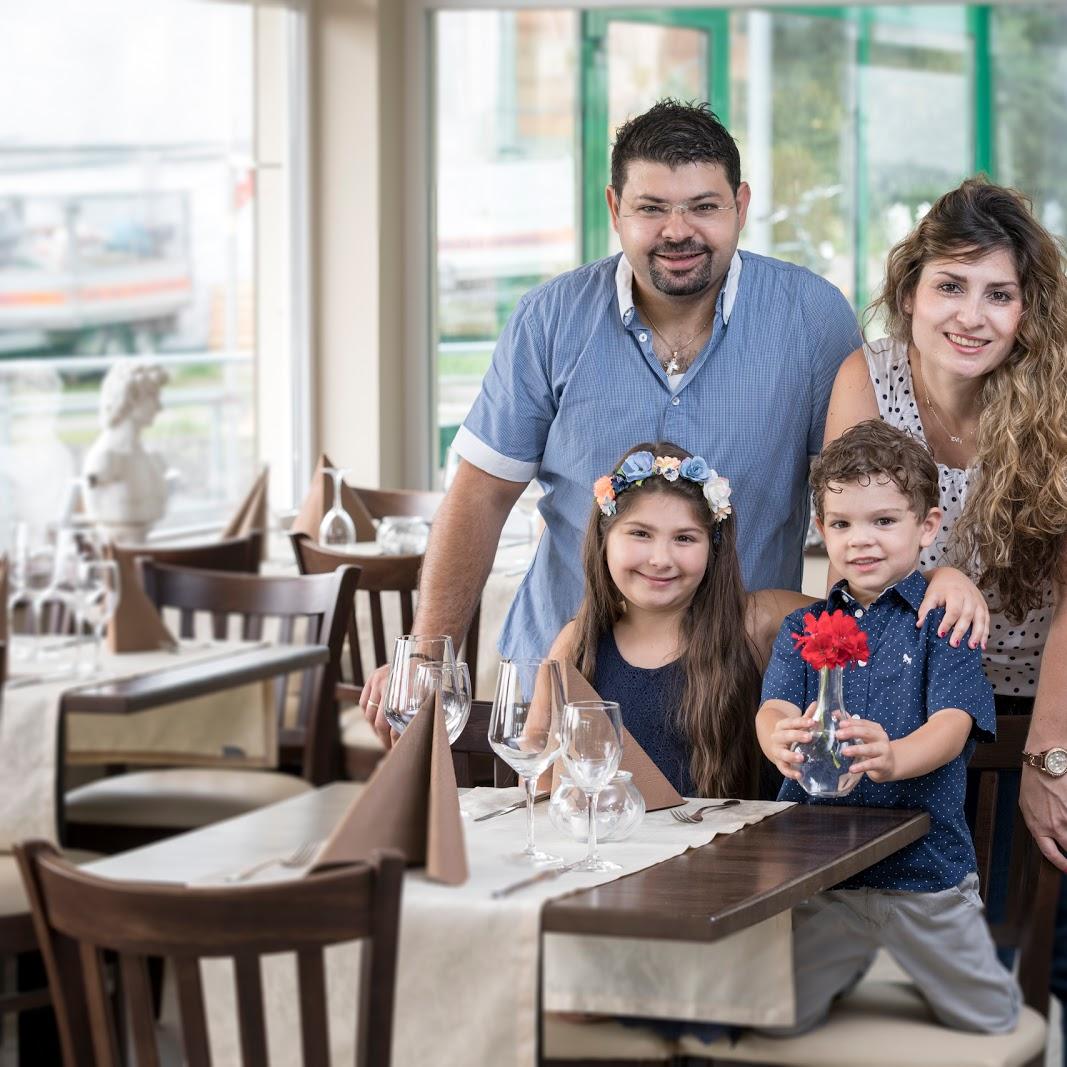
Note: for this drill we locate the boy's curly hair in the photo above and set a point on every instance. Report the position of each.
(876, 448)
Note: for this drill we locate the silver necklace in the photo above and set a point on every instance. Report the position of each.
(956, 439)
(672, 365)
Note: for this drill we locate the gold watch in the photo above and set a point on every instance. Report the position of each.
(1052, 761)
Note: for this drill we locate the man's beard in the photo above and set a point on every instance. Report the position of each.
(696, 281)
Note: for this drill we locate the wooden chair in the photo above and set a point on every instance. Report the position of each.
(416, 503)
(241, 554)
(472, 745)
(129, 809)
(79, 918)
(886, 1018)
(379, 575)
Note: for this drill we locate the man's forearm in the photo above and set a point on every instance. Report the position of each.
(460, 554)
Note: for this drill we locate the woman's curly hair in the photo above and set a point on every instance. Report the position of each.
(1015, 517)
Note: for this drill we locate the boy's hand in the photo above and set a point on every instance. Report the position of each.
(788, 732)
(965, 607)
(869, 747)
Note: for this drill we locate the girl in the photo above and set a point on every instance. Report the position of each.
(666, 629)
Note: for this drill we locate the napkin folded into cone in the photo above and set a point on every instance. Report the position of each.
(319, 500)
(3, 599)
(410, 803)
(136, 625)
(649, 779)
(251, 516)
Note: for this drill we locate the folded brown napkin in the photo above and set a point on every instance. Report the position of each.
(136, 625)
(657, 791)
(3, 599)
(319, 500)
(410, 803)
(252, 513)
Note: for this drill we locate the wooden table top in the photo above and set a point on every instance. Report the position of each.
(183, 681)
(739, 879)
(734, 882)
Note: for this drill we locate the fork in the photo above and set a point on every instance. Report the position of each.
(300, 856)
(698, 815)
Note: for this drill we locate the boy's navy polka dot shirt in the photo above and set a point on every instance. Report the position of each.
(912, 673)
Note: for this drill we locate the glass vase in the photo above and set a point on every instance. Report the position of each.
(825, 770)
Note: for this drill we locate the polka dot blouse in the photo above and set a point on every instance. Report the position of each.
(1013, 653)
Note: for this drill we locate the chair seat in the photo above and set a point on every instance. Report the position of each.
(891, 1024)
(602, 1039)
(12, 895)
(356, 732)
(178, 797)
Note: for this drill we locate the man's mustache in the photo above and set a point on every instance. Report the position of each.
(687, 247)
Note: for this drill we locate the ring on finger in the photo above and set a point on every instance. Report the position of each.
(372, 703)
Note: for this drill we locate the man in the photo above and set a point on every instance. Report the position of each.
(681, 338)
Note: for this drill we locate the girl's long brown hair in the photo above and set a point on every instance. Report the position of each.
(720, 697)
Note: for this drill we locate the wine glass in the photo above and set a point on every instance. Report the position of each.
(401, 702)
(592, 748)
(453, 682)
(524, 731)
(99, 583)
(31, 575)
(68, 585)
(337, 530)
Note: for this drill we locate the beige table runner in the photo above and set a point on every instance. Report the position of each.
(468, 965)
(234, 727)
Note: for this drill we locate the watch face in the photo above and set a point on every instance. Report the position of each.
(1056, 761)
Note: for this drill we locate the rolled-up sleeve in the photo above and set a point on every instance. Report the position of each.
(955, 679)
(505, 432)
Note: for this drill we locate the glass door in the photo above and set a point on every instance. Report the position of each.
(631, 59)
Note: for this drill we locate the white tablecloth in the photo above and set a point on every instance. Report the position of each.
(468, 966)
(236, 727)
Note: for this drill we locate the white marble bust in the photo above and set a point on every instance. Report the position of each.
(125, 484)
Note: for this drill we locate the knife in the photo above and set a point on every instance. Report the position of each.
(511, 807)
(542, 876)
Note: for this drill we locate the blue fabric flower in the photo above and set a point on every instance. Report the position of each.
(618, 483)
(694, 469)
(638, 466)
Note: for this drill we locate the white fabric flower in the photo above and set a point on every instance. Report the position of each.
(717, 494)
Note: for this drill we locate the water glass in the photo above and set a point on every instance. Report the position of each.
(337, 530)
(453, 682)
(401, 700)
(524, 731)
(99, 585)
(592, 749)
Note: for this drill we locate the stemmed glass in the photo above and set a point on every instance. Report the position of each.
(337, 530)
(31, 575)
(401, 701)
(453, 682)
(98, 580)
(524, 731)
(592, 749)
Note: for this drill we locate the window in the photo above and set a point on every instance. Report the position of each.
(128, 227)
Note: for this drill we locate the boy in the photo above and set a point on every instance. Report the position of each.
(920, 704)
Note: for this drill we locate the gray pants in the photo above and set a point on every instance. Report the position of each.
(940, 939)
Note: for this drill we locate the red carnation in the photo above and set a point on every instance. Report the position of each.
(831, 640)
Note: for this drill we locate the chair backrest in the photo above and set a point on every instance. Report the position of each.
(421, 504)
(79, 918)
(241, 554)
(474, 741)
(322, 605)
(1033, 883)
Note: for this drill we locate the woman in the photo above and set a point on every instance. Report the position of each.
(975, 364)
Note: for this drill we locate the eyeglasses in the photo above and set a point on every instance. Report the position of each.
(701, 213)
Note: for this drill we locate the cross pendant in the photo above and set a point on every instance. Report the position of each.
(672, 365)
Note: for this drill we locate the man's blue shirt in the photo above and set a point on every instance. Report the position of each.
(575, 383)
(912, 673)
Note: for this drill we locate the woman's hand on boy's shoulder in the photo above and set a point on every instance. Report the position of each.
(965, 607)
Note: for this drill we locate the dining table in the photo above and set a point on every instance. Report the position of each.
(706, 926)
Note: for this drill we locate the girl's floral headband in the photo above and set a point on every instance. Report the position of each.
(641, 465)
